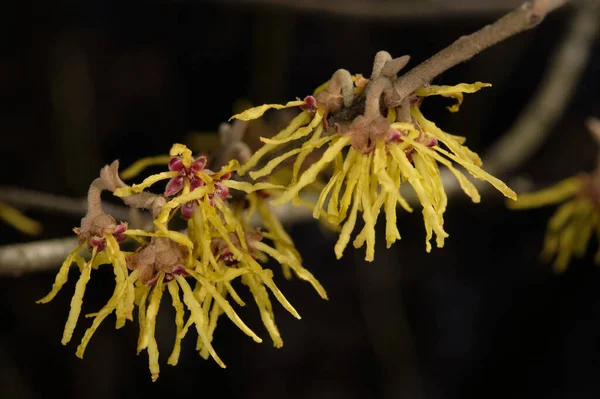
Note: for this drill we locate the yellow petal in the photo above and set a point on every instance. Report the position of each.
(103, 313)
(552, 195)
(257, 112)
(368, 216)
(455, 92)
(348, 226)
(176, 236)
(198, 317)
(198, 193)
(266, 277)
(307, 149)
(233, 316)
(431, 218)
(300, 120)
(294, 265)
(333, 207)
(311, 173)
(448, 140)
(182, 150)
(479, 173)
(251, 187)
(149, 181)
(391, 115)
(62, 276)
(173, 288)
(142, 344)
(261, 297)
(117, 258)
(150, 327)
(298, 134)
(77, 300)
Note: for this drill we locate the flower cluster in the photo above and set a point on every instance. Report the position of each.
(372, 154)
(576, 219)
(198, 267)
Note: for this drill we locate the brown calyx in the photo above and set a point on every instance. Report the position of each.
(331, 102)
(366, 130)
(161, 255)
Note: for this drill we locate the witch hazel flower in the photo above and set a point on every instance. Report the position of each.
(186, 174)
(100, 226)
(373, 151)
(189, 176)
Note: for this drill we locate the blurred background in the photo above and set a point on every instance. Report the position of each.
(84, 83)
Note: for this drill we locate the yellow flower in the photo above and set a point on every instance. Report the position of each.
(217, 248)
(574, 222)
(371, 158)
(164, 263)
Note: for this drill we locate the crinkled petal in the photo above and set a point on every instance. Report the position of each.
(233, 316)
(311, 173)
(455, 92)
(198, 317)
(300, 120)
(62, 276)
(77, 300)
(250, 187)
(257, 112)
(149, 181)
(298, 134)
(552, 195)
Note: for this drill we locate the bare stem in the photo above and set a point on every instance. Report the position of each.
(555, 91)
(523, 18)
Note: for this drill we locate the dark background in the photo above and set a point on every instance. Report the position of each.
(84, 84)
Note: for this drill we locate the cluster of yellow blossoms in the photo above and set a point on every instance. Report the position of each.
(218, 247)
(373, 154)
(576, 219)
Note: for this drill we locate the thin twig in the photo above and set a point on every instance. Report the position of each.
(555, 91)
(24, 199)
(32, 257)
(47, 255)
(523, 18)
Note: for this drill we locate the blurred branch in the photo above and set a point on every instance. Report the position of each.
(389, 9)
(48, 255)
(19, 259)
(23, 199)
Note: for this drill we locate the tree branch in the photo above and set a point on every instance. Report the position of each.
(523, 18)
(47, 255)
(555, 91)
(23, 199)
